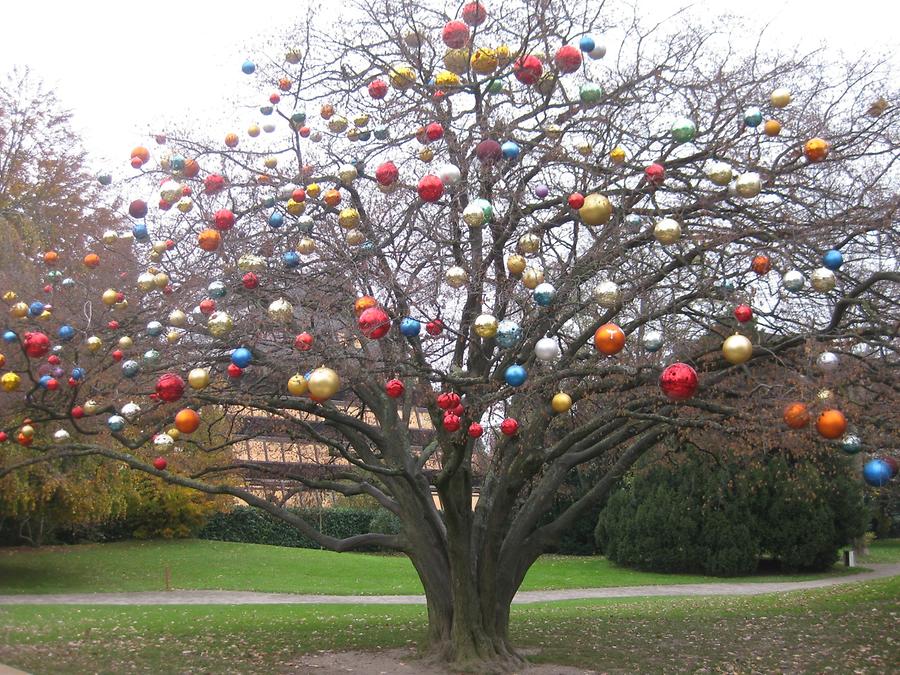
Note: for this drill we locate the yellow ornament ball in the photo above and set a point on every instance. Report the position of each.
(720, 173)
(125, 342)
(780, 98)
(348, 218)
(161, 280)
(446, 79)
(306, 246)
(561, 402)
(94, 343)
(667, 231)
(737, 349)
(10, 381)
(529, 243)
(532, 277)
(296, 208)
(297, 385)
(772, 127)
(19, 310)
(402, 77)
(9, 296)
(596, 210)
(504, 55)
(617, 154)
(110, 296)
(253, 130)
(484, 61)
(457, 60)
(314, 190)
(198, 378)
(323, 383)
(270, 162)
(485, 325)
(516, 264)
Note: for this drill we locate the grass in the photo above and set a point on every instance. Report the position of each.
(196, 564)
(847, 628)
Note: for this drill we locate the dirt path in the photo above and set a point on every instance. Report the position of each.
(523, 597)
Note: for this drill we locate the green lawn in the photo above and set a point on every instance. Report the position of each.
(840, 629)
(196, 564)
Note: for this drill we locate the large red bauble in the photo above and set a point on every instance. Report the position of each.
(448, 400)
(451, 422)
(509, 426)
(455, 34)
(207, 306)
(274, 98)
(387, 173)
(303, 342)
(576, 200)
(458, 410)
(137, 208)
(475, 430)
(528, 69)
(169, 387)
(743, 313)
(36, 344)
(655, 174)
(77, 412)
(489, 151)
(52, 384)
(160, 464)
(224, 220)
(434, 131)
(430, 188)
(474, 13)
(678, 381)
(394, 388)
(761, 264)
(250, 280)
(567, 59)
(234, 371)
(434, 328)
(213, 183)
(53, 360)
(378, 89)
(374, 323)
(3, 437)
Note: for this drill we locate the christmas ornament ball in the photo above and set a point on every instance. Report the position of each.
(831, 424)
(323, 383)
(609, 339)
(679, 381)
(737, 349)
(796, 415)
(877, 472)
(561, 402)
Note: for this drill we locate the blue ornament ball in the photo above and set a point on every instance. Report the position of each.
(139, 231)
(36, 308)
(116, 423)
(78, 374)
(44, 381)
(9, 336)
(587, 44)
(276, 219)
(410, 327)
(509, 334)
(851, 444)
(248, 67)
(877, 472)
(66, 333)
(154, 328)
(510, 149)
(515, 376)
(290, 259)
(544, 294)
(241, 357)
(217, 289)
(753, 117)
(833, 259)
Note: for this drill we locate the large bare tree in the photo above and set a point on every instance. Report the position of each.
(498, 188)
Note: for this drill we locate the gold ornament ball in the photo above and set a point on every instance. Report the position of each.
(324, 383)
(532, 277)
(306, 246)
(251, 263)
(456, 277)
(219, 324)
(607, 294)
(121, 306)
(617, 155)
(314, 190)
(125, 342)
(553, 131)
(561, 402)
(110, 296)
(596, 210)
(270, 162)
(825, 394)
(295, 208)
(780, 98)
(348, 218)
(298, 385)
(403, 77)
(347, 173)
(27, 431)
(185, 204)
(667, 231)
(10, 381)
(516, 264)
(337, 124)
(456, 60)
(145, 283)
(94, 343)
(426, 154)
(354, 237)
(159, 247)
(9, 296)
(360, 121)
(737, 349)
(748, 184)
(529, 244)
(19, 310)
(174, 336)
(720, 173)
(822, 279)
(281, 311)
(91, 407)
(110, 237)
(161, 280)
(177, 318)
(253, 130)
(198, 378)
(584, 148)
(486, 325)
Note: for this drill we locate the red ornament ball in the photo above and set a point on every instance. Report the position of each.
(458, 410)
(743, 313)
(394, 388)
(3, 437)
(224, 220)
(117, 355)
(509, 426)
(679, 381)
(250, 280)
(655, 174)
(475, 430)
(567, 59)
(387, 173)
(455, 34)
(448, 400)
(430, 188)
(169, 387)
(474, 13)
(137, 208)
(207, 306)
(299, 195)
(77, 412)
(160, 464)
(52, 384)
(528, 69)
(374, 323)
(378, 89)
(234, 371)
(113, 325)
(303, 342)
(434, 328)
(36, 345)
(434, 131)
(451, 422)
(489, 151)
(213, 183)
(576, 200)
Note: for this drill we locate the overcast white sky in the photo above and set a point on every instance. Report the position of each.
(125, 68)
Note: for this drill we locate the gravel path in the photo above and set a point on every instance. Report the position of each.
(523, 597)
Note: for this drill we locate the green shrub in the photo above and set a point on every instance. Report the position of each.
(386, 522)
(699, 516)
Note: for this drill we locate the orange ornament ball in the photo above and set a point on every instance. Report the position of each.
(364, 303)
(209, 240)
(332, 197)
(92, 260)
(141, 153)
(51, 258)
(816, 149)
(796, 415)
(187, 421)
(609, 339)
(231, 140)
(772, 127)
(831, 424)
(761, 264)
(191, 168)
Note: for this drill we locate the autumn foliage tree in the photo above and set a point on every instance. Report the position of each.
(479, 211)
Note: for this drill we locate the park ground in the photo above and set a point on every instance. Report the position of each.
(843, 628)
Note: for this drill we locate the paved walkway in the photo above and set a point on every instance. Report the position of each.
(522, 597)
